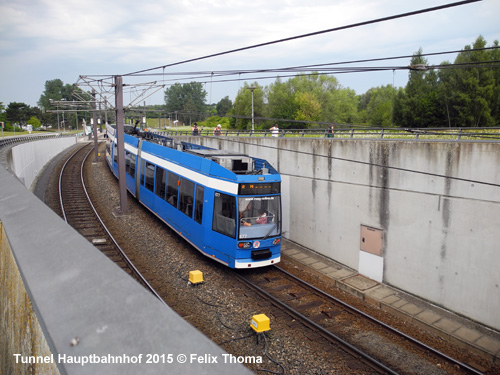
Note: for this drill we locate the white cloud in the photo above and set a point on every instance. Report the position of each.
(66, 39)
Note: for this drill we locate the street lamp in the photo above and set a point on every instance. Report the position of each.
(251, 88)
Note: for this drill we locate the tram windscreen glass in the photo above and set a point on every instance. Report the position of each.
(259, 216)
(259, 188)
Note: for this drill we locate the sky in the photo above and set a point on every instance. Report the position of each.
(42, 40)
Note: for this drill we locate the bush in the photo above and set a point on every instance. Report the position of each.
(213, 121)
(10, 128)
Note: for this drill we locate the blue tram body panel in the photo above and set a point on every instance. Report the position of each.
(226, 204)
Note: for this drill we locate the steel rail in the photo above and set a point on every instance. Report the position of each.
(124, 257)
(379, 322)
(122, 253)
(366, 358)
(60, 183)
(329, 335)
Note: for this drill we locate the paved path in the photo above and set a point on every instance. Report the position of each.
(456, 329)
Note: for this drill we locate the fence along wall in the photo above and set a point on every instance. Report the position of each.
(432, 207)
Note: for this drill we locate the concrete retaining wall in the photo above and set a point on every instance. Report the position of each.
(421, 216)
(20, 332)
(28, 159)
(84, 305)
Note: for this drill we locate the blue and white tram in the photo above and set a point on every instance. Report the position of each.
(227, 205)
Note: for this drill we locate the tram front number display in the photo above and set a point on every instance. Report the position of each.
(259, 188)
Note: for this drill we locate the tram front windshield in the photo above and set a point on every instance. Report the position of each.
(259, 217)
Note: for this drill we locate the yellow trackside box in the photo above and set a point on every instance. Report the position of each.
(195, 277)
(260, 323)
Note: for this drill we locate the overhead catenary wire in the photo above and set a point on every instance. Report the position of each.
(317, 69)
(354, 25)
(345, 27)
(322, 66)
(325, 69)
(484, 64)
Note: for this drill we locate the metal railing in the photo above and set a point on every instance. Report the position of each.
(8, 141)
(453, 134)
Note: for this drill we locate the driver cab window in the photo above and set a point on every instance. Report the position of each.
(259, 217)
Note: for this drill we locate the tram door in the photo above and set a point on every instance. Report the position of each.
(223, 235)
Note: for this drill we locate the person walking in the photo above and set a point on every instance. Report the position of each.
(275, 131)
(194, 129)
(217, 130)
(331, 130)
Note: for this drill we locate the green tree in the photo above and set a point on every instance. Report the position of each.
(224, 106)
(243, 106)
(463, 94)
(35, 122)
(473, 88)
(55, 90)
(313, 97)
(379, 107)
(418, 105)
(342, 107)
(280, 103)
(186, 100)
(494, 55)
(307, 107)
(18, 113)
(363, 101)
(3, 115)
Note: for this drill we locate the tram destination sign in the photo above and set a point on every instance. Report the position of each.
(259, 188)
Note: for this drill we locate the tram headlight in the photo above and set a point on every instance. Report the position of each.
(276, 241)
(244, 245)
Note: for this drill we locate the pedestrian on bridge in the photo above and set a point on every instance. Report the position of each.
(217, 130)
(275, 131)
(331, 130)
(194, 129)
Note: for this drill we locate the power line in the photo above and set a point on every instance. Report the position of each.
(329, 71)
(378, 20)
(314, 66)
(323, 69)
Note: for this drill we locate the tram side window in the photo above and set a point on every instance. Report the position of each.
(198, 210)
(161, 176)
(150, 176)
(224, 214)
(186, 196)
(115, 154)
(130, 163)
(172, 188)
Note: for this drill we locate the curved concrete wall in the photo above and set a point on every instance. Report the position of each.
(421, 216)
(55, 272)
(28, 159)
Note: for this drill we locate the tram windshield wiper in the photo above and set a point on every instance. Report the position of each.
(272, 229)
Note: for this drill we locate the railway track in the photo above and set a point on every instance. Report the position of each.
(79, 212)
(373, 342)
